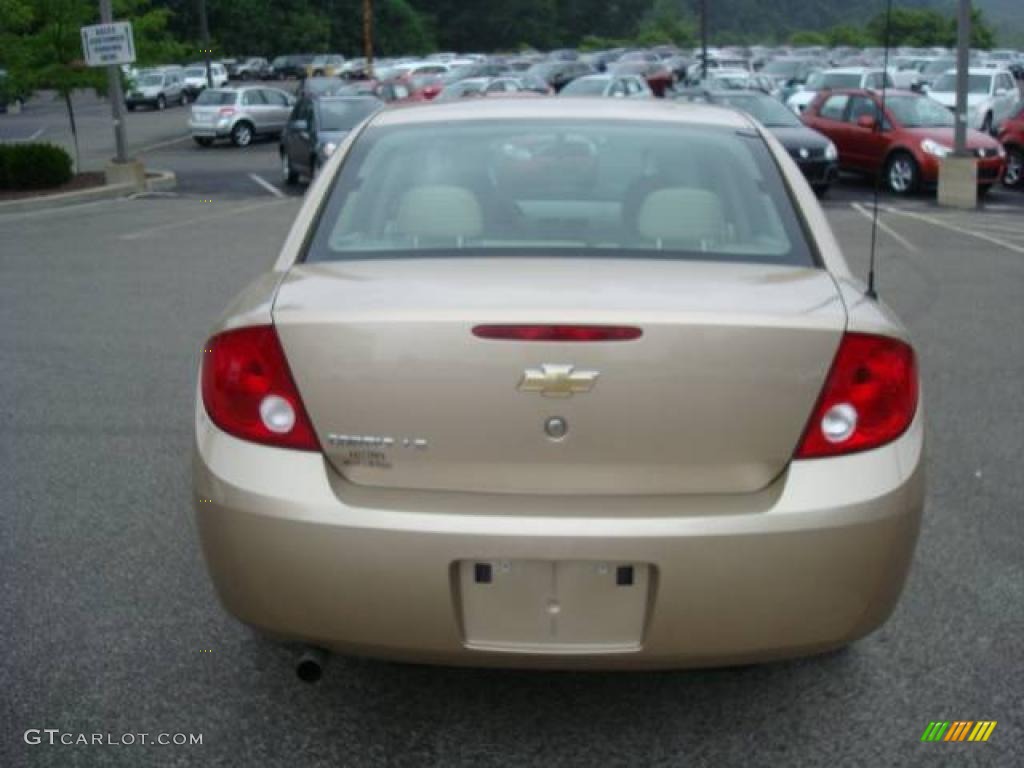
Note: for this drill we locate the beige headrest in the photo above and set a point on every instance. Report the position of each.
(681, 215)
(439, 212)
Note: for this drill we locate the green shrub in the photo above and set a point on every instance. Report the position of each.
(33, 166)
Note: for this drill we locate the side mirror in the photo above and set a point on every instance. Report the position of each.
(867, 121)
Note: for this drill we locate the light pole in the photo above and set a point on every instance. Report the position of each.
(368, 36)
(958, 172)
(204, 37)
(963, 51)
(703, 39)
(116, 96)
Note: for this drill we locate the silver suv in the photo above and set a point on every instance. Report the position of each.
(239, 114)
(157, 89)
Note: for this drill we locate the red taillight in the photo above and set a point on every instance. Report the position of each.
(249, 392)
(869, 398)
(558, 332)
(225, 111)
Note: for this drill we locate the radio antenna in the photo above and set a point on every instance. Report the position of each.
(879, 125)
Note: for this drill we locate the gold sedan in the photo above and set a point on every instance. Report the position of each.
(560, 383)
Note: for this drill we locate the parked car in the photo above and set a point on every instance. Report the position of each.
(834, 79)
(253, 68)
(486, 411)
(321, 86)
(991, 96)
(659, 78)
(534, 84)
(314, 130)
(325, 65)
(933, 68)
(903, 143)
(559, 73)
(293, 65)
(814, 153)
(239, 114)
(1011, 136)
(195, 77)
(789, 73)
(156, 89)
(479, 86)
(609, 85)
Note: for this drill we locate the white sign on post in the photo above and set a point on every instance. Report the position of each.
(108, 44)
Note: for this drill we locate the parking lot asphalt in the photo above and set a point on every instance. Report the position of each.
(110, 624)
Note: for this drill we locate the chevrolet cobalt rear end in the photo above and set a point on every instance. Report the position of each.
(560, 383)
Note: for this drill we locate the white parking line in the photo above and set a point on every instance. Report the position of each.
(885, 227)
(161, 144)
(266, 185)
(199, 219)
(959, 229)
(26, 139)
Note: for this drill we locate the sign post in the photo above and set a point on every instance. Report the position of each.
(109, 45)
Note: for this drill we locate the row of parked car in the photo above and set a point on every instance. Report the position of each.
(835, 119)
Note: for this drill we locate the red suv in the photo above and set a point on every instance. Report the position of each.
(915, 132)
(1011, 135)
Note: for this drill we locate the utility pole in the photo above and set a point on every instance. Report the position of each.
(116, 95)
(958, 172)
(703, 39)
(204, 38)
(368, 36)
(963, 58)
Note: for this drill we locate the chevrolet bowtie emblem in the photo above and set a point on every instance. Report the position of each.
(557, 380)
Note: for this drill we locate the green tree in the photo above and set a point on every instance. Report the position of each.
(847, 34)
(48, 52)
(667, 23)
(808, 37)
(154, 42)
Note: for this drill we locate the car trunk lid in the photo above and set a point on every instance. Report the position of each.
(712, 398)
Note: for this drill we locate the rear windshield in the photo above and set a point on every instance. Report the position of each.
(216, 97)
(592, 189)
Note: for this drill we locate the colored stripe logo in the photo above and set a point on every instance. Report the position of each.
(958, 730)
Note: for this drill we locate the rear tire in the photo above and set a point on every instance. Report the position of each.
(290, 176)
(241, 134)
(161, 102)
(1014, 176)
(902, 176)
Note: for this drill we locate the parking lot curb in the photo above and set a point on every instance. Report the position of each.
(156, 181)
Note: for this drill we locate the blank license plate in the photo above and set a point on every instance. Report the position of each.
(545, 606)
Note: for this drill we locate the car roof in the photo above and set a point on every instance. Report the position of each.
(869, 92)
(850, 70)
(653, 110)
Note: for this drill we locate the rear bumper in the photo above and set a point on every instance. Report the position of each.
(209, 130)
(813, 562)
